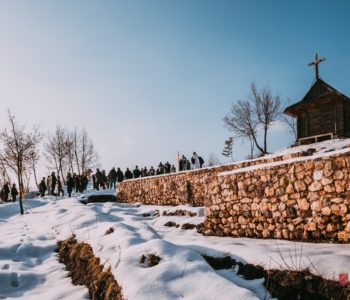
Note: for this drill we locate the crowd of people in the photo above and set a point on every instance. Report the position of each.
(6, 192)
(53, 185)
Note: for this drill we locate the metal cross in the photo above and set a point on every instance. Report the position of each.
(316, 62)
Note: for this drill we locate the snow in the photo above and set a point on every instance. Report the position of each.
(29, 267)
(322, 149)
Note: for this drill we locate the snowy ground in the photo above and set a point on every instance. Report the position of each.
(29, 268)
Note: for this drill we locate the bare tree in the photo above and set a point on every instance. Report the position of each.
(243, 122)
(259, 110)
(33, 160)
(56, 150)
(70, 151)
(267, 108)
(87, 154)
(213, 160)
(16, 145)
(228, 148)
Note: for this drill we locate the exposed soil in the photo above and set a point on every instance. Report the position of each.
(85, 269)
(109, 231)
(151, 214)
(150, 260)
(171, 224)
(187, 226)
(285, 284)
(179, 212)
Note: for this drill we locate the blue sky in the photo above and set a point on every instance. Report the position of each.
(149, 78)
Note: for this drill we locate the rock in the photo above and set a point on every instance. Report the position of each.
(338, 174)
(297, 221)
(347, 228)
(326, 181)
(311, 226)
(326, 211)
(290, 189)
(299, 186)
(343, 236)
(317, 175)
(290, 227)
(316, 205)
(328, 169)
(340, 186)
(343, 209)
(315, 186)
(329, 188)
(303, 204)
(243, 220)
(269, 191)
(337, 200)
(335, 209)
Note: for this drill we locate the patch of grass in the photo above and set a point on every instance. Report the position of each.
(150, 260)
(286, 284)
(85, 269)
(171, 224)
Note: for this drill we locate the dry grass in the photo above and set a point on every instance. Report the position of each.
(85, 269)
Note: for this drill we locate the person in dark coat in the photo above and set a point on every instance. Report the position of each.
(42, 187)
(59, 187)
(70, 184)
(93, 181)
(151, 172)
(6, 192)
(120, 175)
(53, 183)
(183, 163)
(112, 176)
(76, 182)
(128, 174)
(104, 180)
(136, 172)
(167, 167)
(14, 192)
(99, 179)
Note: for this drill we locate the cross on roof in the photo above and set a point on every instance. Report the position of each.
(316, 62)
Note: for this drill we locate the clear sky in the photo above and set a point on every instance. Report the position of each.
(148, 78)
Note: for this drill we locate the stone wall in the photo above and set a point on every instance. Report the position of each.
(273, 197)
(190, 187)
(298, 200)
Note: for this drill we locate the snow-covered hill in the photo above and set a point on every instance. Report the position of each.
(29, 267)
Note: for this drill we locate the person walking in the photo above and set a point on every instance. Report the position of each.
(128, 174)
(6, 192)
(48, 186)
(42, 187)
(112, 176)
(183, 163)
(53, 183)
(70, 184)
(120, 175)
(14, 192)
(59, 187)
(136, 172)
(99, 179)
(195, 161)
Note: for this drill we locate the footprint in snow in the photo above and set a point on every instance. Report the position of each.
(14, 280)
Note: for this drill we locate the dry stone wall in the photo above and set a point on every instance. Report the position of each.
(273, 197)
(305, 200)
(190, 187)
